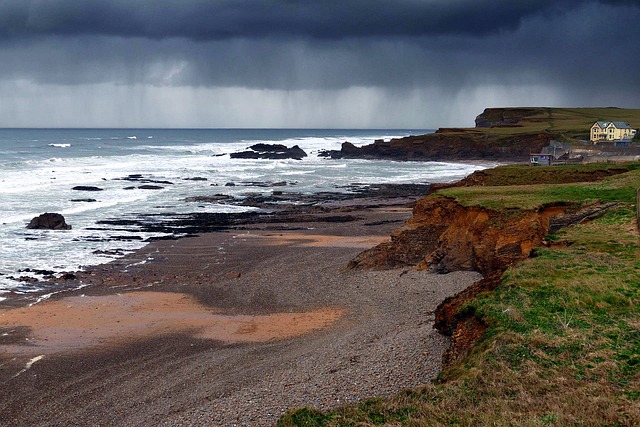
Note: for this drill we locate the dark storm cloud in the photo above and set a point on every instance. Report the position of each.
(222, 19)
(584, 52)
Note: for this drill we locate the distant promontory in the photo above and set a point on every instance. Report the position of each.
(500, 134)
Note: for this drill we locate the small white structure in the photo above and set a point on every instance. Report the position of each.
(540, 159)
(611, 131)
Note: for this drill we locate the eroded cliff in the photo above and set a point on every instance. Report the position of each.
(445, 236)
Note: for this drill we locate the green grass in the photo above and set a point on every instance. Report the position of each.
(535, 124)
(527, 175)
(620, 188)
(563, 343)
(573, 122)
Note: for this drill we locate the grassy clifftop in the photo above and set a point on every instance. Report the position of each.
(570, 122)
(562, 344)
(525, 187)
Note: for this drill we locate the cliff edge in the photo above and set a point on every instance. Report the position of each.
(443, 235)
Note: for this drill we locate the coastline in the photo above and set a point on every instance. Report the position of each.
(558, 289)
(159, 376)
(364, 334)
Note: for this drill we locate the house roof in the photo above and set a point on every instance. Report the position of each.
(604, 124)
(622, 125)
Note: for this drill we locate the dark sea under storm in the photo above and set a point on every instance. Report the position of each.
(39, 169)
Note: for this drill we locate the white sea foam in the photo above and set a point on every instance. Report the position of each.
(31, 184)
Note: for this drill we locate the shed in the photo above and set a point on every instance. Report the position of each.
(540, 159)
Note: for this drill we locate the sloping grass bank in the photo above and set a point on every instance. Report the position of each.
(563, 343)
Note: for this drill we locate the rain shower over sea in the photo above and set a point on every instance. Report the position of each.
(39, 169)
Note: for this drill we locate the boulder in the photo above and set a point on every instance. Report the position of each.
(49, 221)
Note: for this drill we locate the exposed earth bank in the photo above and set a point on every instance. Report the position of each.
(445, 236)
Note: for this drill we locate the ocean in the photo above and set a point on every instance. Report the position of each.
(40, 167)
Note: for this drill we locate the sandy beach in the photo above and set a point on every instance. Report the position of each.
(226, 329)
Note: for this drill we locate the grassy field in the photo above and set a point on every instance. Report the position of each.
(532, 189)
(519, 175)
(563, 344)
(572, 123)
(570, 119)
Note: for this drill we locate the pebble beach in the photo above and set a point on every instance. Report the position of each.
(227, 329)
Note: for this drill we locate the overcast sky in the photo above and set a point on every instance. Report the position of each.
(309, 63)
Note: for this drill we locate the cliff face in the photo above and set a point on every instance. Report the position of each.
(445, 236)
(506, 117)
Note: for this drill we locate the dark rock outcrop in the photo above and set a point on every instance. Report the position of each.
(49, 221)
(87, 188)
(271, 151)
(449, 144)
(136, 177)
(216, 198)
(505, 117)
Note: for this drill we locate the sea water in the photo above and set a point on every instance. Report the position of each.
(40, 167)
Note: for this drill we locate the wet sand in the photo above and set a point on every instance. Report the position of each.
(228, 328)
(83, 322)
